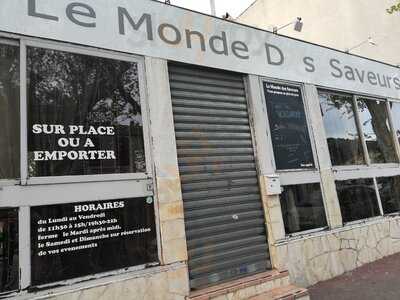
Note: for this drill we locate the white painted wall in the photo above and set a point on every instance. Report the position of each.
(339, 24)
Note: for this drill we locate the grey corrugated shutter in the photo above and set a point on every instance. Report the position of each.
(224, 218)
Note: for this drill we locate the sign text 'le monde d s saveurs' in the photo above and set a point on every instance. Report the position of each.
(69, 140)
(151, 28)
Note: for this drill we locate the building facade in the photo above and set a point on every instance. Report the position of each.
(342, 26)
(151, 152)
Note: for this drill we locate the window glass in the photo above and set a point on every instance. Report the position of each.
(9, 266)
(79, 239)
(357, 199)
(395, 109)
(389, 190)
(303, 208)
(376, 129)
(341, 130)
(84, 115)
(288, 125)
(9, 112)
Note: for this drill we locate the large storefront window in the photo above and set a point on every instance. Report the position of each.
(84, 115)
(9, 112)
(303, 208)
(360, 132)
(81, 115)
(341, 129)
(358, 199)
(376, 129)
(344, 126)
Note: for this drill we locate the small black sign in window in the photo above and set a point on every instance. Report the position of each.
(288, 125)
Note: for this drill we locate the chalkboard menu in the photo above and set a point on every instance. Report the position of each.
(79, 239)
(288, 124)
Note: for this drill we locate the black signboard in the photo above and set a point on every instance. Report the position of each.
(288, 123)
(79, 239)
(83, 119)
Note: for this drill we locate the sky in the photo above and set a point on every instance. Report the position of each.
(234, 7)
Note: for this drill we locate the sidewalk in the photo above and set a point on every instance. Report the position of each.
(379, 280)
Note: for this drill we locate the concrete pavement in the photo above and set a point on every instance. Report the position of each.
(379, 280)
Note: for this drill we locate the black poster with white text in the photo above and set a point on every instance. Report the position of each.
(84, 115)
(79, 239)
(288, 124)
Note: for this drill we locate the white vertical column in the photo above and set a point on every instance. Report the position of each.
(391, 122)
(24, 245)
(332, 207)
(360, 128)
(24, 234)
(23, 115)
(264, 157)
(168, 192)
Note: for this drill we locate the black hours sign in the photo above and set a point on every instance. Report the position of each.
(288, 125)
(79, 239)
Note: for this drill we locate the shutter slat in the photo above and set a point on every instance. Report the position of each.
(209, 104)
(217, 176)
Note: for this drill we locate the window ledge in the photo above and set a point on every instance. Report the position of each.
(87, 178)
(9, 182)
(346, 227)
(84, 283)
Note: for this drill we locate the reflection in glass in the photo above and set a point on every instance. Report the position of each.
(9, 112)
(389, 190)
(341, 130)
(9, 265)
(72, 89)
(357, 199)
(376, 129)
(395, 110)
(303, 208)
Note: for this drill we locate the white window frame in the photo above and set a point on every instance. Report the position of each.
(395, 137)
(378, 198)
(366, 152)
(296, 176)
(19, 193)
(306, 111)
(357, 123)
(368, 170)
(25, 179)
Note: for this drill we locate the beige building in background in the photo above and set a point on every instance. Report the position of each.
(341, 24)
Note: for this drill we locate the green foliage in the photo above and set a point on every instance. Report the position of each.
(394, 8)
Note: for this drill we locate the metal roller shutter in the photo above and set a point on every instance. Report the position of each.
(224, 218)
